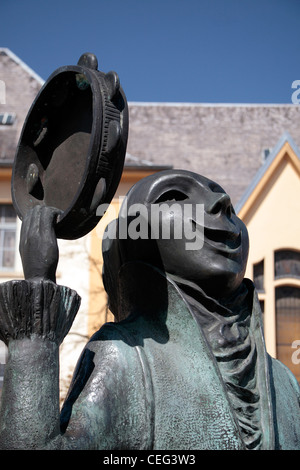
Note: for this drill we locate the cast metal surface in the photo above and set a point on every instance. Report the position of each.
(184, 366)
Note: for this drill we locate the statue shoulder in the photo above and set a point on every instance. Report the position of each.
(110, 376)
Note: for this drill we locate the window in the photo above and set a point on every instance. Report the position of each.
(3, 359)
(287, 263)
(258, 275)
(8, 222)
(7, 119)
(288, 325)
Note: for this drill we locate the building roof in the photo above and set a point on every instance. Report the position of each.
(284, 147)
(21, 85)
(224, 142)
(25, 67)
(132, 162)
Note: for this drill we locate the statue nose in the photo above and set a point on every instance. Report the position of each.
(220, 204)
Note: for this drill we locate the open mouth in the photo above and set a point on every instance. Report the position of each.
(223, 240)
(228, 241)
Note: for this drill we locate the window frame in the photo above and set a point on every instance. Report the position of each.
(286, 274)
(5, 227)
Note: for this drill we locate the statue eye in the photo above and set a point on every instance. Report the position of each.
(171, 196)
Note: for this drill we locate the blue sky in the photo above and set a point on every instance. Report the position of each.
(202, 51)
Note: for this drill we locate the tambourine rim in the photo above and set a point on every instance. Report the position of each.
(95, 135)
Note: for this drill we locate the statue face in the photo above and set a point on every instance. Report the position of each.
(218, 263)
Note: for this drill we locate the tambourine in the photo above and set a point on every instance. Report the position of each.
(72, 147)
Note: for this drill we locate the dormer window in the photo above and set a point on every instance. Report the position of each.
(7, 119)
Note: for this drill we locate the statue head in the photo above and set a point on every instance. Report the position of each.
(210, 250)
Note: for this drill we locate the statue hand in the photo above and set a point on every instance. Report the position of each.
(38, 244)
(37, 305)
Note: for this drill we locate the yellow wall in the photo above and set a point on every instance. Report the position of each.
(271, 215)
(98, 309)
(5, 185)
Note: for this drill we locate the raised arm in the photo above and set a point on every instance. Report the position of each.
(107, 394)
(35, 316)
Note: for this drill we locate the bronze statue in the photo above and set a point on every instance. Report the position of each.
(184, 366)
